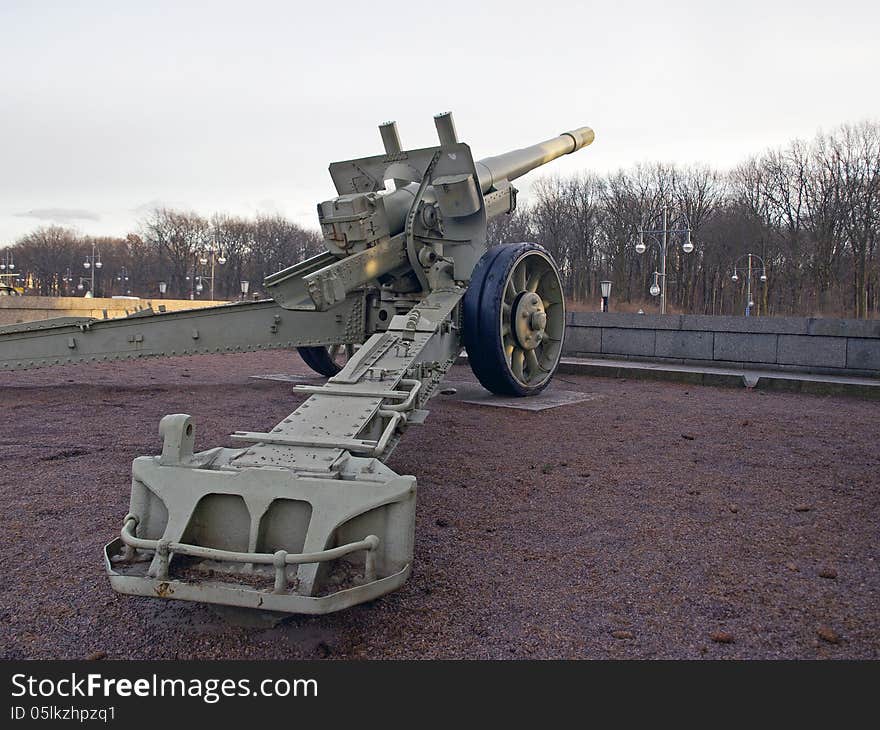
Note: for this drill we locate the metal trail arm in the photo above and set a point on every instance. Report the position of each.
(327, 454)
(241, 327)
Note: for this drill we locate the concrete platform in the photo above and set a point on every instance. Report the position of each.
(729, 377)
(291, 378)
(474, 394)
(786, 381)
(467, 392)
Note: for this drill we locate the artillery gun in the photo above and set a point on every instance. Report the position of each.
(306, 517)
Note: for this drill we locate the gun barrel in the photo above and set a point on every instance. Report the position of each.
(517, 163)
(491, 170)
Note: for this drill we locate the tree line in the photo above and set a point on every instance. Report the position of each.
(809, 211)
(179, 249)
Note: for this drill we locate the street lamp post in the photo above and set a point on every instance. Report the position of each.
(192, 279)
(749, 268)
(7, 270)
(122, 277)
(660, 237)
(214, 254)
(92, 263)
(606, 294)
(81, 286)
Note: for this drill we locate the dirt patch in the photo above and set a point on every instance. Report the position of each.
(66, 454)
(592, 530)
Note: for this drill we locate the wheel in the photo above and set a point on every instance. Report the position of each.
(514, 319)
(326, 360)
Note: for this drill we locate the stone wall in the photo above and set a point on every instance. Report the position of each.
(842, 346)
(29, 309)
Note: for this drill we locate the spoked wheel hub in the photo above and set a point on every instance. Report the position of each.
(528, 320)
(514, 319)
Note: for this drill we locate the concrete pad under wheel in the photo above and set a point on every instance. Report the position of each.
(288, 378)
(551, 397)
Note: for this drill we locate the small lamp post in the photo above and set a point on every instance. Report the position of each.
(91, 264)
(750, 268)
(606, 294)
(213, 254)
(123, 278)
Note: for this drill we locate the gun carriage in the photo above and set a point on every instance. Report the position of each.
(307, 517)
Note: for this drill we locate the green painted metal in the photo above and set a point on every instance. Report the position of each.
(229, 328)
(306, 517)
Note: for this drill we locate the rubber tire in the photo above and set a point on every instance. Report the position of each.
(482, 315)
(319, 360)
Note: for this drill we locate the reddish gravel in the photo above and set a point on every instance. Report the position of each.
(660, 520)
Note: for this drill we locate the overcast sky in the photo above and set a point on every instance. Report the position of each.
(110, 108)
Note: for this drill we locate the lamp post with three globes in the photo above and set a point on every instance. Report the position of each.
(751, 257)
(660, 237)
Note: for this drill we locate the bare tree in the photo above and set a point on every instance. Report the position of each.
(176, 237)
(44, 256)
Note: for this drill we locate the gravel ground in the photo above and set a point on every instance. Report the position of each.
(655, 521)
